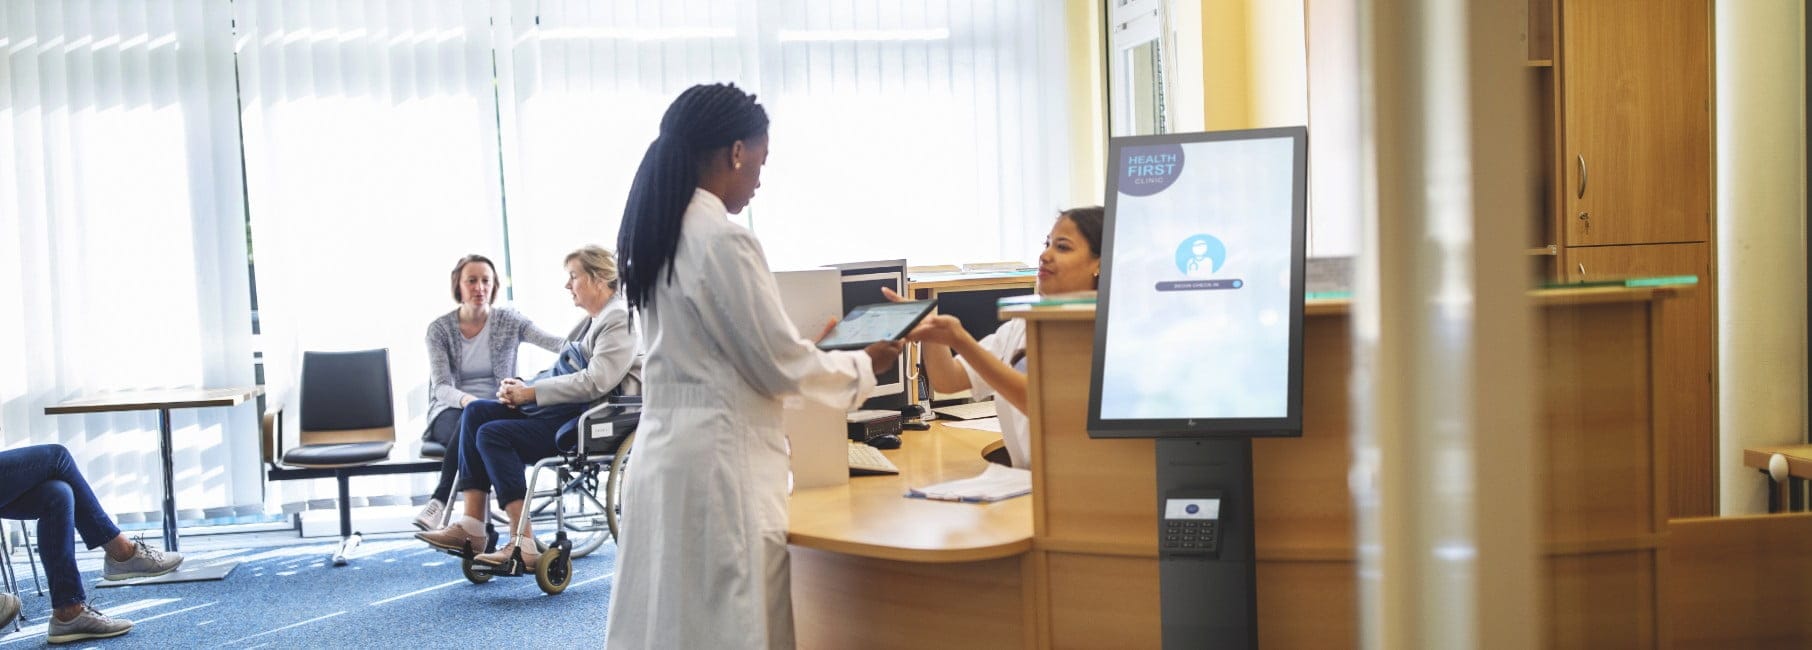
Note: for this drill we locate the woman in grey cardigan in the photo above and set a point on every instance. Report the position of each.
(498, 439)
(470, 351)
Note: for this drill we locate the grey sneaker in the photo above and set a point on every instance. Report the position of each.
(145, 562)
(430, 517)
(90, 624)
(9, 610)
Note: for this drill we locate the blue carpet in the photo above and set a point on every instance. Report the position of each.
(395, 589)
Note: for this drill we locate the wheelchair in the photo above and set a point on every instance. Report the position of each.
(581, 520)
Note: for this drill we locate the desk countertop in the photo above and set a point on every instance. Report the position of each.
(1799, 458)
(156, 399)
(871, 516)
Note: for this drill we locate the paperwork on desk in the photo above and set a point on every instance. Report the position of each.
(994, 484)
(984, 424)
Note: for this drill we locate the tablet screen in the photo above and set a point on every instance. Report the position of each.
(869, 324)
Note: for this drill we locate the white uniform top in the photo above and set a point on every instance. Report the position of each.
(1009, 344)
(702, 562)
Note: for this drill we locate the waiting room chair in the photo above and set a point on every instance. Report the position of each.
(346, 424)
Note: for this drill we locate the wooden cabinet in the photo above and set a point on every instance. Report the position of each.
(1623, 168)
(1636, 100)
(1684, 379)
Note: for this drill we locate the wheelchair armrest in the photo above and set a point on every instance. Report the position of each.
(624, 400)
(619, 417)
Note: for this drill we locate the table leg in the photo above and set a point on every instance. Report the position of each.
(169, 452)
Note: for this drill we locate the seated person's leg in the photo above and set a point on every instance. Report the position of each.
(444, 430)
(507, 448)
(474, 484)
(53, 505)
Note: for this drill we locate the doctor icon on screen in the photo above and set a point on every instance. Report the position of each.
(1199, 262)
(1200, 256)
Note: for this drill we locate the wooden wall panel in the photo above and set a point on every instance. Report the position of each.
(1602, 600)
(1100, 601)
(1740, 582)
(877, 604)
(1107, 495)
(1685, 361)
(1308, 604)
(1600, 455)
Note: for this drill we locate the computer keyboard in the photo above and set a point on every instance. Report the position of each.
(968, 411)
(864, 460)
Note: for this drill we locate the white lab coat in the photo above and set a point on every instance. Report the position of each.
(702, 562)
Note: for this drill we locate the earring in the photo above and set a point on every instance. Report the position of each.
(736, 165)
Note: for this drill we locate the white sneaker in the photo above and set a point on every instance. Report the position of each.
(145, 562)
(90, 624)
(430, 517)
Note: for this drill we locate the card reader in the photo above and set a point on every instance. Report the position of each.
(1191, 525)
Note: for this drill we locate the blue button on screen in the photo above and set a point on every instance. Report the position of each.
(1192, 509)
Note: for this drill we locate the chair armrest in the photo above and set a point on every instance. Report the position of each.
(270, 444)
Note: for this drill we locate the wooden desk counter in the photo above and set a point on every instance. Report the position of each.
(874, 569)
(871, 517)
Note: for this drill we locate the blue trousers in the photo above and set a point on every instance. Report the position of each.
(42, 482)
(496, 442)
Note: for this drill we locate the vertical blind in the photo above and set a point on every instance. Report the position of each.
(124, 244)
(380, 141)
(930, 129)
(371, 163)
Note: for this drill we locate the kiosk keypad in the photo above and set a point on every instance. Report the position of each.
(1190, 527)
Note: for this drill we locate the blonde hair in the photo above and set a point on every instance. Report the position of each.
(598, 263)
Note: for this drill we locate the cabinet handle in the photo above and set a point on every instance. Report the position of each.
(1582, 271)
(1581, 158)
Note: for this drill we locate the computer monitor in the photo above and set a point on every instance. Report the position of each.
(977, 309)
(862, 282)
(1198, 326)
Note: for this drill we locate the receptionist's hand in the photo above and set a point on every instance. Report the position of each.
(939, 329)
(883, 354)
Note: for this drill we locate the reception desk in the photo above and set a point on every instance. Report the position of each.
(1075, 564)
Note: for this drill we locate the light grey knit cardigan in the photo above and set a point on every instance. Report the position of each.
(509, 330)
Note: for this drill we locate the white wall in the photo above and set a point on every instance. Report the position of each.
(1761, 172)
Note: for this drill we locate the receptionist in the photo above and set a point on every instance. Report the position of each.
(996, 365)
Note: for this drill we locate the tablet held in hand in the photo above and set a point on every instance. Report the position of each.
(870, 324)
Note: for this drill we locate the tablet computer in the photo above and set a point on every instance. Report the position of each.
(870, 324)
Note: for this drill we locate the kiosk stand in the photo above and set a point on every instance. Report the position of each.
(1207, 573)
(1202, 258)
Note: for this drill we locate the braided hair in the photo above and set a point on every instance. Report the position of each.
(702, 120)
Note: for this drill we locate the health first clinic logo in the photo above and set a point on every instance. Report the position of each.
(1145, 171)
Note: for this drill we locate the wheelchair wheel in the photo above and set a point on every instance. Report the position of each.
(554, 571)
(613, 487)
(467, 567)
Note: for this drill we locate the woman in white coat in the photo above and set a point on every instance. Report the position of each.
(702, 562)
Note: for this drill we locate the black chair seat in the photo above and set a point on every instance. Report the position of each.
(432, 449)
(338, 455)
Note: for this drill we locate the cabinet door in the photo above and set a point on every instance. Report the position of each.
(1636, 96)
(1684, 358)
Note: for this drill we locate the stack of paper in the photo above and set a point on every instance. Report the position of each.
(995, 483)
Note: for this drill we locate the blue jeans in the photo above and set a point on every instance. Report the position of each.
(496, 442)
(42, 482)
